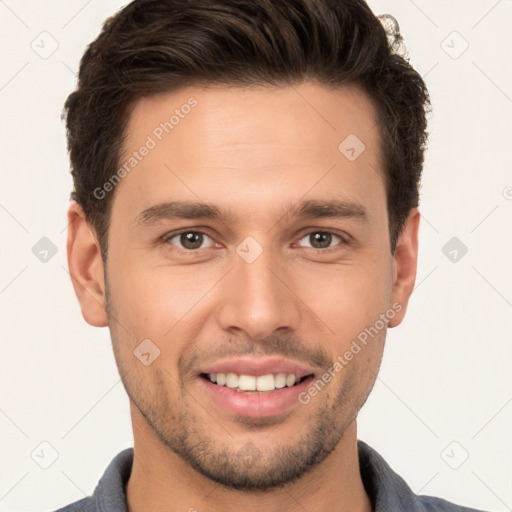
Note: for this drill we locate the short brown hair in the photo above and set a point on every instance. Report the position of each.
(154, 46)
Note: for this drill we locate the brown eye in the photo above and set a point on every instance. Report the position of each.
(188, 240)
(321, 239)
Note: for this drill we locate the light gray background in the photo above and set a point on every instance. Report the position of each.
(445, 388)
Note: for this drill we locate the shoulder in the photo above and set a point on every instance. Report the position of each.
(432, 504)
(110, 491)
(84, 505)
(389, 491)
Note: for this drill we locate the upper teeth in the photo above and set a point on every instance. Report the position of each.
(252, 383)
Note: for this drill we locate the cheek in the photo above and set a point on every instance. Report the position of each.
(158, 302)
(347, 298)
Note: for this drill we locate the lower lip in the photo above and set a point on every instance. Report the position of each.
(256, 405)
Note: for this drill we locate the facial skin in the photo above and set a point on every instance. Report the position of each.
(256, 153)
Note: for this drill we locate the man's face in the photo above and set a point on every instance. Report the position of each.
(263, 290)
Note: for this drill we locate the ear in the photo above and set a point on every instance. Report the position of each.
(405, 261)
(86, 267)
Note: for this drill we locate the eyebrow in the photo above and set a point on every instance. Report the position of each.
(311, 209)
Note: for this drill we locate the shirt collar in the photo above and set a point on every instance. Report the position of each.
(386, 490)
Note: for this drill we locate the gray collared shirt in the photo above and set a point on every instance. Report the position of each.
(388, 492)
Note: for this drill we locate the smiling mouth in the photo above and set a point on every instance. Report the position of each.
(255, 384)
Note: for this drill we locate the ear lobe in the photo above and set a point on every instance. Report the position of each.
(405, 262)
(86, 267)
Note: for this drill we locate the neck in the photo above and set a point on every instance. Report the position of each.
(161, 481)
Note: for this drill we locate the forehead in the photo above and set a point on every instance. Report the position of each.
(230, 116)
(251, 146)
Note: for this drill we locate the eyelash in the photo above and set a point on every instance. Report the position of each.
(343, 238)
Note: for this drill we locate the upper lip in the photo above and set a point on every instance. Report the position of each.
(258, 366)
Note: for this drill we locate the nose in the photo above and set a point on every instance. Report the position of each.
(258, 298)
